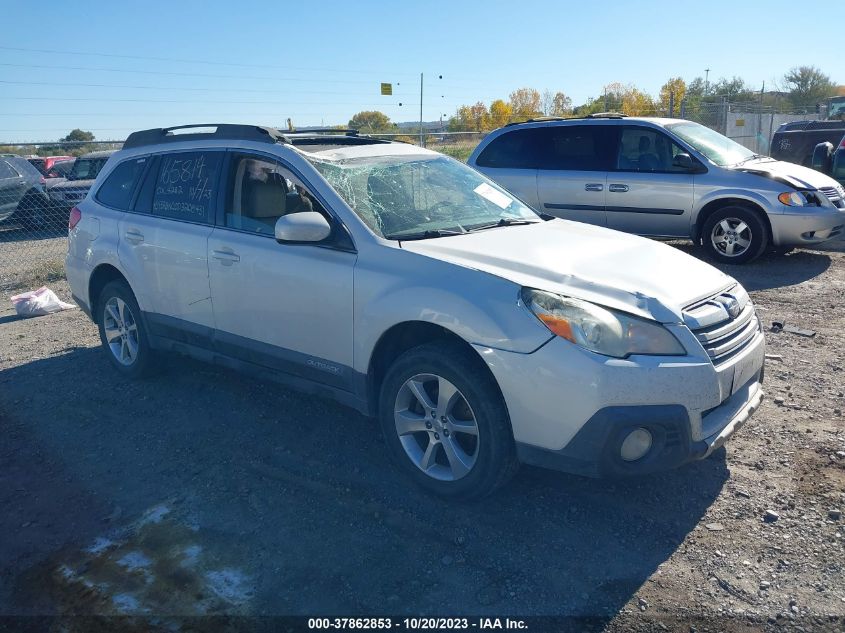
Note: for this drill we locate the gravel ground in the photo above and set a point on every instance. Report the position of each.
(202, 492)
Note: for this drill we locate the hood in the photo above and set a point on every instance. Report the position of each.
(64, 183)
(794, 175)
(614, 269)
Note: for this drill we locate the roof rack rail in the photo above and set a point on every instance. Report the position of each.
(539, 119)
(606, 115)
(159, 135)
(325, 130)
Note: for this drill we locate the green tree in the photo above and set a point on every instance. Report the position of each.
(808, 85)
(77, 136)
(371, 121)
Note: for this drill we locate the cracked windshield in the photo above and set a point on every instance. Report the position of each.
(419, 197)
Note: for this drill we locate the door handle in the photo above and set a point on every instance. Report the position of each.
(618, 188)
(133, 236)
(594, 186)
(227, 258)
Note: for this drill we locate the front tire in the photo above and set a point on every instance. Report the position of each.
(123, 332)
(734, 235)
(445, 422)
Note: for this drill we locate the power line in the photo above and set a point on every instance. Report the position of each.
(201, 61)
(214, 102)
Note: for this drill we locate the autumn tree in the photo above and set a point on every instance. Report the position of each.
(555, 104)
(808, 85)
(500, 113)
(673, 91)
(371, 121)
(525, 103)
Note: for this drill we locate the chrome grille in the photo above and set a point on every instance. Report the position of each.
(835, 194)
(724, 324)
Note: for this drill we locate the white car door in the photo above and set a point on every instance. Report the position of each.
(281, 305)
(164, 243)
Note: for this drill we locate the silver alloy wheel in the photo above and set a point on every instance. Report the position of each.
(437, 427)
(731, 237)
(121, 331)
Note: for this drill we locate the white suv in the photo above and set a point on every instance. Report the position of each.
(409, 286)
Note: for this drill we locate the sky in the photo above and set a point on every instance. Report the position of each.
(114, 67)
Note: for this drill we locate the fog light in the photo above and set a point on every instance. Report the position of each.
(636, 444)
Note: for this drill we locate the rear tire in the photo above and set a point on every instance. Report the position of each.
(458, 446)
(734, 235)
(123, 332)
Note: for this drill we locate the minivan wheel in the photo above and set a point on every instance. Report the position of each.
(734, 235)
(445, 422)
(122, 330)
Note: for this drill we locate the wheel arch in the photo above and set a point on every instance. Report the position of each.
(402, 337)
(100, 276)
(719, 203)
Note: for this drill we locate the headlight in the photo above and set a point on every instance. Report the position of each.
(792, 199)
(599, 329)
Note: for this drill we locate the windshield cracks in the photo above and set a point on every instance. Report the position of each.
(416, 197)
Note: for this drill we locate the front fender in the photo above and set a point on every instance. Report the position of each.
(480, 308)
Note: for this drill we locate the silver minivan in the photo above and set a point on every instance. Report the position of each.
(664, 178)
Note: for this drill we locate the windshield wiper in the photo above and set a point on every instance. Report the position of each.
(752, 157)
(500, 222)
(424, 235)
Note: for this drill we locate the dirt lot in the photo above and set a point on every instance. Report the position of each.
(203, 492)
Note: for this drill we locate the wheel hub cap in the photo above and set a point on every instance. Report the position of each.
(436, 427)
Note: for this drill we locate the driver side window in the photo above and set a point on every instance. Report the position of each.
(261, 191)
(645, 149)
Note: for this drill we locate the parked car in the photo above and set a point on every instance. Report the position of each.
(61, 169)
(22, 198)
(796, 142)
(67, 192)
(663, 178)
(45, 163)
(411, 287)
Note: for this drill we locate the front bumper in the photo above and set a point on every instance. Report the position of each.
(801, 229)
(570, 409)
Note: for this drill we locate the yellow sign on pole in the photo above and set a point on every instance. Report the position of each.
(387, 89)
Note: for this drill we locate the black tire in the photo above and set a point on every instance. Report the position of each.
(756, 233)
(495, 460)
(143, 362)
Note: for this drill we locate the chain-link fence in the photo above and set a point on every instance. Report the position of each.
(39, 184)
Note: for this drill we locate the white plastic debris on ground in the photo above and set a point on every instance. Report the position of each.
(39, 302)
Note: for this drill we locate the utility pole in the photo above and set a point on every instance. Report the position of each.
(706, 80)
(421, 111)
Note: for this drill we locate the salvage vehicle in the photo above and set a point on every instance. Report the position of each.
(411, 287)
(666, 178)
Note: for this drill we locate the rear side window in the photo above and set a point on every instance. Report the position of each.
(186, 188)
(87, 168)
(117, 190)
(6, 170)
(578, 147)
(519, 149)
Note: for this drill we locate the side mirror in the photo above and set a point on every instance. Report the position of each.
(308, 226)
(823, 157)
(684, 161)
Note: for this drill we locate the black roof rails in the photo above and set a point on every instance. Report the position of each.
(538, 119)
(606, 115)
(159, 135)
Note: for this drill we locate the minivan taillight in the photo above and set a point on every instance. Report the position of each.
(75, 217)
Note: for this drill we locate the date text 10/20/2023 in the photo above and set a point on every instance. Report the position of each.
(421, 623)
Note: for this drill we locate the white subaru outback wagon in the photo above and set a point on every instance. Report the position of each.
(413, 288)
